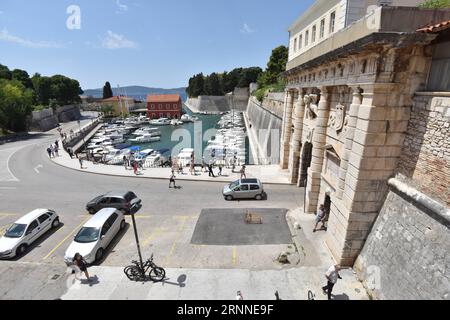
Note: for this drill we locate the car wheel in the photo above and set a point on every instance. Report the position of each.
(258, 197)
(92, 211)
(99, 254)
(21, 249)
(229, 198)
(55, 223)
(122, 225)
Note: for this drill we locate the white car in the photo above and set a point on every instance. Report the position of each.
(95, 236)
(25, 231)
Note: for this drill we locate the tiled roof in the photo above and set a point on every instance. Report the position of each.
(163, 98)
(435, 28)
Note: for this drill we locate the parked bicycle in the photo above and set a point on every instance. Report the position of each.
(136, 272)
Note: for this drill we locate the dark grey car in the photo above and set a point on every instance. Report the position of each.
(127, 202)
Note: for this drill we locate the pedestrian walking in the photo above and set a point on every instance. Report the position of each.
(135, 167)
(211, 172)
(320, 217)
(203, 164)
(52, 150)
(81, 263)
(56, 150)
(57, 144)
(70, 152)
(243, 174)
(172, 180)
(192, 168)
(125, 162)
(49, 151)
(332, 276)
(239, 296)
(220, 169)
(81, 162)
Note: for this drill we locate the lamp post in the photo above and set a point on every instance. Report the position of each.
(137, 241)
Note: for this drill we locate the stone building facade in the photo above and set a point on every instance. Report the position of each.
(348, 107)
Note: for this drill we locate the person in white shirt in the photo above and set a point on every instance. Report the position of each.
(332, 276)
(239, 296)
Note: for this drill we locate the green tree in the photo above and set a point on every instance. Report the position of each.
(42, 88)
(15, 105)
(196, 86)
(212, 85)
(107, 110)
(107, 91)
(23, 77)
(5, 73)
(65, 90)
(435, 4)
(275, 66)
(249, 75)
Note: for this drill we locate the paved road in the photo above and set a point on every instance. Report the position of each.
(166, 222)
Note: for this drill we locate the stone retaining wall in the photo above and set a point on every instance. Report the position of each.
(406, 255)
(425, 161)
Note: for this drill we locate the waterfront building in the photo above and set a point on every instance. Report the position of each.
(164, 106)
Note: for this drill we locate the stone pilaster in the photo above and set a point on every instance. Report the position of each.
(294, 156)
(287, 130)
(318, 141)
(352, 118)
(381, 121)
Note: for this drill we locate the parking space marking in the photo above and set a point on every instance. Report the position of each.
(180, 230)
(234, 256)
(153, 235)
(65, 239)
(4, 228)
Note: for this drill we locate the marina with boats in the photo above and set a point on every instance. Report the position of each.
(151, 142)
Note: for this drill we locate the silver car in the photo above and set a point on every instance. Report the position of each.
(244, 189)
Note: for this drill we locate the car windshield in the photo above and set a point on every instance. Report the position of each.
(234, 185)
(87, 235)
(16, 231)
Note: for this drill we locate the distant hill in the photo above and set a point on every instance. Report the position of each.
(137, 92)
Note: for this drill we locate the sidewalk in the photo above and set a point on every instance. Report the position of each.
(202, 284)
(270, 174)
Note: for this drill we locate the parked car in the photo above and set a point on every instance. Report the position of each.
(244, 189)
(25, 231)
(125, 201)
(96, 235)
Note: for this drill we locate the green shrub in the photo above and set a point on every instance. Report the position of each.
(435, 4)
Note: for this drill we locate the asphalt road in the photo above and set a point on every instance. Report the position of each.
(166, 223)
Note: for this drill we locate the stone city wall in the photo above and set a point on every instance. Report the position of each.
(265, 132)
(215, 104)
(43, 120)
(68, 113)
(425, 160)
(406, 255)
(274, 102)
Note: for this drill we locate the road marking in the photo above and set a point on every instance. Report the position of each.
(65, 239)
(8, 188)
(37, 168)
(234, 256)
(7, 214)
(153, 235)
(174, 245)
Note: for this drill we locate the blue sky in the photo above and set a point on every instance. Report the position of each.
(137, 42)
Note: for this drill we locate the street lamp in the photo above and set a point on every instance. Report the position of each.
(137, 241)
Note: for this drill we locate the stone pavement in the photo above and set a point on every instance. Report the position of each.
(270, 174)
(200, 284)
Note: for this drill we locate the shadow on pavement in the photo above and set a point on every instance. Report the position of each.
(38, 242)
(112, 245)
(180, 281)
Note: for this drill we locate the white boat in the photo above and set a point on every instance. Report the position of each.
(186, 118)
(146, 130)
(153, 160)
(176, 122)
(145, 138)
(160, 122)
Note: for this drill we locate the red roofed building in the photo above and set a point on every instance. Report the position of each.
(164, 106)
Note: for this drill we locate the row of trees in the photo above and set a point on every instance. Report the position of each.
(20, 94)
(217, 84)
